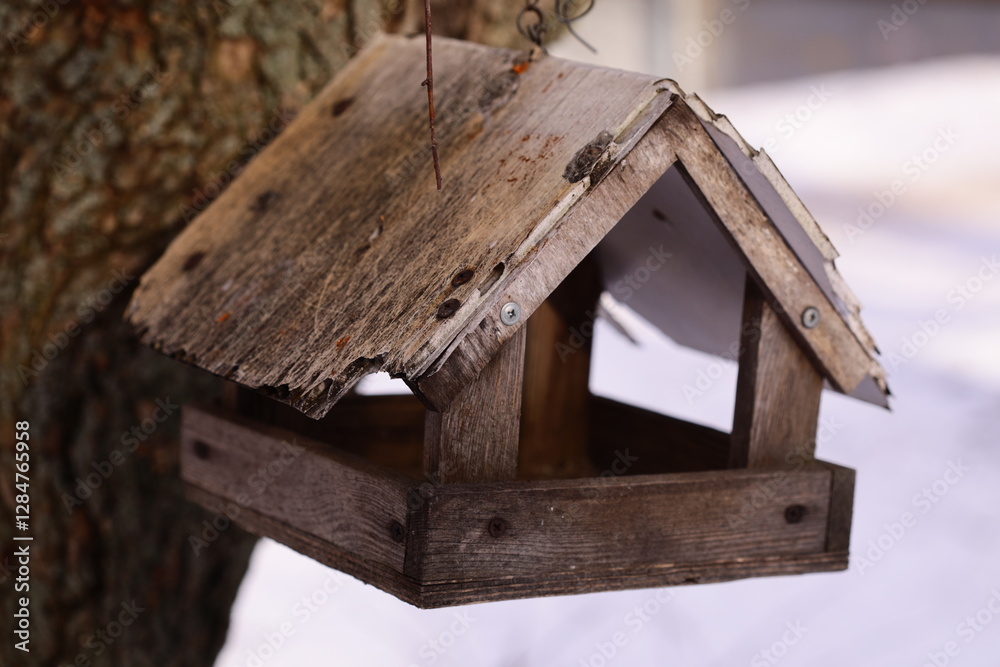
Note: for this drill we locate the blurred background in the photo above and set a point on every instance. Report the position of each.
(119, 122)
(847, 97)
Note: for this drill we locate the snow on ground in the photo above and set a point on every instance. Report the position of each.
(926, 537)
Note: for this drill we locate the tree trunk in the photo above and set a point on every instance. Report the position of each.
(119, 122)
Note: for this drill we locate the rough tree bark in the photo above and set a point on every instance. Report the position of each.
(119, 121)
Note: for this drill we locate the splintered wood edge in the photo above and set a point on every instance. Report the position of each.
(452, 358)
(410, 359)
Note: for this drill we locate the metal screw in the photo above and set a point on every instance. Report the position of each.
(462, 277)
(794, 513)
(497, 527)
(396, 531)
(200, 449)
(510, 313)
(810, 317)
(448, 308)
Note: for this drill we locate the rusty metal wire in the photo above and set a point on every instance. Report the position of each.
(533, 24)
(533, 31)
(567, 12)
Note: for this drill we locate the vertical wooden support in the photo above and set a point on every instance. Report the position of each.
(777, 391)
(554, 420)
(838, 536)
(475, 439)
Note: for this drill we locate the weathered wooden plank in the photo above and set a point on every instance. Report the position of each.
(553, 255)
(332, 253)
(559, 537)
(841, 510)
(777, 392)
(831, 344)
(510, 588)
(625, 439)
(674, 574)
(476, 438)
(335, 497)
(614, 524)
(555, 418)
(751, 165)
(321, 550)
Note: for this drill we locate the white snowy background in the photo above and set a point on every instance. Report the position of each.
(915, 594)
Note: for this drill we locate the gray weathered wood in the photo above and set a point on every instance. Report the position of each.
(587, 526)
(433, 545)
(321, 549)
(330, 255)
(775, 187)
(841, 506)
(777, 392)
(336, 497)
(555, 419)
(487, 590)
(670, 574)
(557, 253)
(832, 345)
(476, 438)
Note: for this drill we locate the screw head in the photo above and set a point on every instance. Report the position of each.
(396, 531)
(448, 308)
(462, 277)
(810, 317)
(795, 513)
(497, 527)
(264, 201)
(510, 313)
(200, 449)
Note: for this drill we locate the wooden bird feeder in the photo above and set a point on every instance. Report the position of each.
(333, 256)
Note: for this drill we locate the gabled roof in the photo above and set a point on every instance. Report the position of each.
(333, 256)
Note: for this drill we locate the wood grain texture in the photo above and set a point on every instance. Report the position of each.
(841, 511)
(758, 163)
(614, 524)
(555, 416)
(322, 550)
(672, 574)
(476, 438)
(831, 345)
(430, 596)
(657, 443)
(552, 538)
(337, 498)
(329, 257)
(777, 392)
(626, 172)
